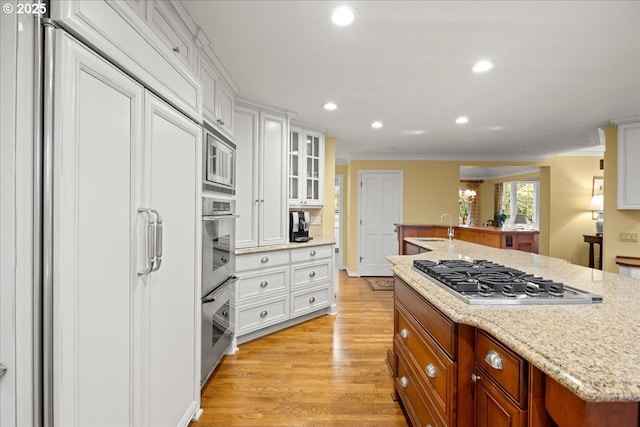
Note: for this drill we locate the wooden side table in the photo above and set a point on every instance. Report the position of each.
(591, 240)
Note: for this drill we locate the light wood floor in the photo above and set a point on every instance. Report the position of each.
(329, 371)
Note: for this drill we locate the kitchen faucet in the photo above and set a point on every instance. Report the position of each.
(450, 230)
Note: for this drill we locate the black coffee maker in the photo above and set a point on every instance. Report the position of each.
(299, 226)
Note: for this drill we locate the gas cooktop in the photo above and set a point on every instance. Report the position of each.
(485, 282)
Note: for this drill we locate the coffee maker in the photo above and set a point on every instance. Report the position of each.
(299, 226)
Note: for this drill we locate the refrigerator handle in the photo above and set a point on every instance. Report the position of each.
(158, 237)
(151, 245)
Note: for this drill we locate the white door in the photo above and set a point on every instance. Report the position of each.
(247, 164)
(274, 215)
(380, 204)
(171, 294)
(97, 141)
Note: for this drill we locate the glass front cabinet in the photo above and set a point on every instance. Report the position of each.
(306, 167)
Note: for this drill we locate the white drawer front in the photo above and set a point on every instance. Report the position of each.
(261, 260)
(311, 253)
(310, 300)
(262, 315)
(311, 273)
(263, 283)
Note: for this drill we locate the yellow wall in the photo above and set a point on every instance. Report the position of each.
(616, 221)
(571, 180)
(329, 182)
(430, 188)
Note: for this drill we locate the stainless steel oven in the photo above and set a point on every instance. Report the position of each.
(219, 161)
(218, 280)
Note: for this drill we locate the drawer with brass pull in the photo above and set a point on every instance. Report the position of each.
(501, 364)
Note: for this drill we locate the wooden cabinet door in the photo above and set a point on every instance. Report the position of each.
(494, 409)
(171, 294)
(97, 159)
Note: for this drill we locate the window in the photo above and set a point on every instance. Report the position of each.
(519, 197)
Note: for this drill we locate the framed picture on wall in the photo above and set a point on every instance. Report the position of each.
(598, 186)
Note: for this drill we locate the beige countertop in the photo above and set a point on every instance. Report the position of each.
(593, 350)
(317, 241)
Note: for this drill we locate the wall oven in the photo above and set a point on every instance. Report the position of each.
(219, 162)
(218, 280)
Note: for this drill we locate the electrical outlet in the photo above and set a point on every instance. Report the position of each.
(628, 237)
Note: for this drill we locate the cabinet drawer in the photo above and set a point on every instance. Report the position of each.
(411, 395)
(441, 328)
(261, 260)
(173, 31)
(436, 370)
(310, 300)
(311, 253)
(262, 283)
(261, 315)
(309, 274)
(504, 366)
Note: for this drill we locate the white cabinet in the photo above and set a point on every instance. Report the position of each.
(306, 167)
(119, 31)
(124, 343)
(261, 193)
(311, 279)
(218, 95)
(262, 291)
(165, 20)
(278, 288)
(629, 164)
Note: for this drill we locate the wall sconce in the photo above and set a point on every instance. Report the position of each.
(596, 207)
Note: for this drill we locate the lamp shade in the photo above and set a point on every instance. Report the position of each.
(520, 219)
(597, 203)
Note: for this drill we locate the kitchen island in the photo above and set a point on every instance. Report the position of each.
(575, 364)
(496, 237)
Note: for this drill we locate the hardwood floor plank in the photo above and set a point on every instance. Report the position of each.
(328, 371)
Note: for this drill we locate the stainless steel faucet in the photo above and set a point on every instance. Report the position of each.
(450, 230)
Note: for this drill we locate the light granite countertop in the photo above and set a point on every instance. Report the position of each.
(316, 241)
(593, 350)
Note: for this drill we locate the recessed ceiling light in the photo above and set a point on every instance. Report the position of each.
(342, 16)
(462, 120)
(376, 125)
(482, 66)
(330, 106)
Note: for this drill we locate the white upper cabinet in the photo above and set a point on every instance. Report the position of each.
(119, 31)
(218, 94)
(306, 167)
(629, 164)
(164, 18)
(261, 187)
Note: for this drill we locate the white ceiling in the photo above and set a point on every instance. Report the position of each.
(563, 69)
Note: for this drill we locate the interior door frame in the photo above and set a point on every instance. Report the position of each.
(399, 172)
(339, 182)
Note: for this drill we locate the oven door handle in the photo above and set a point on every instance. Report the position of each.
(218, 217)
(211, 298)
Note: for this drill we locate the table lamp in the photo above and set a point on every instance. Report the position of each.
(597, 206)
(520, 220)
